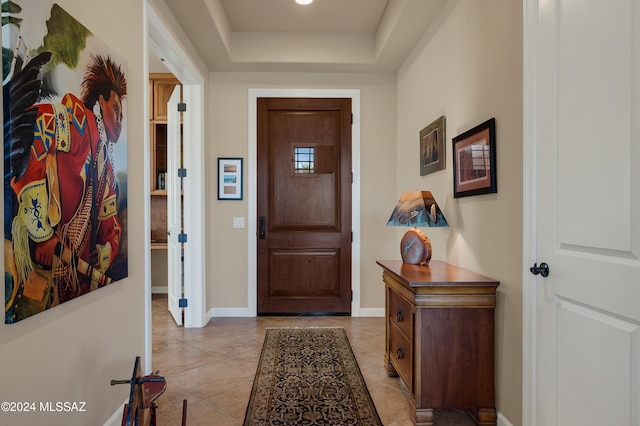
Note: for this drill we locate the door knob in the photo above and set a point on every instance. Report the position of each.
(262, 227)
(543, 269)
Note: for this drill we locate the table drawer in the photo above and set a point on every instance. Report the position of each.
(401, 314)
(401, 355)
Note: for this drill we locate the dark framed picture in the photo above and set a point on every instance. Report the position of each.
(432, 147)
(229, 178)
(474, 161)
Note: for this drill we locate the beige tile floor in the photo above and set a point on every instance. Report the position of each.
(213, 367)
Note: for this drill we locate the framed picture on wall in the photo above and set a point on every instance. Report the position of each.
(474, 161)
(229, 178)
(432, 147)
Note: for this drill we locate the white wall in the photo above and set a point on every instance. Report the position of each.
(468, 67)
(71, 352)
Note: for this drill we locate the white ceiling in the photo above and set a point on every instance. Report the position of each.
(280, 35)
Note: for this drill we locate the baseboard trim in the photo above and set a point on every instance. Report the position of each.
(502, 420)
(116, 417)
(371, 312)
(159, 289)
(229, 312)
(244, 312)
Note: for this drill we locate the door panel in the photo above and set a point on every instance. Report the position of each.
(587, 310)
(304, 272)
(304, 196)
(594, 348)
(174, 208)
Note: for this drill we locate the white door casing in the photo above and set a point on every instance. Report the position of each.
(582, 153)
(174, 208)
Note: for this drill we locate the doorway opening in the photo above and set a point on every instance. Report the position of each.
(161, 42)
(163, 158)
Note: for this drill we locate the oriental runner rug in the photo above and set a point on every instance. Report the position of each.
(309, 376)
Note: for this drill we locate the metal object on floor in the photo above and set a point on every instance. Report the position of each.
(140, 410)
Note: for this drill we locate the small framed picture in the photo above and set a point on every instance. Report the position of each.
(474, 161)
(229, 178)
(432, 147)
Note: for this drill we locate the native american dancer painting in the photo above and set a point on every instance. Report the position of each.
(65, 145)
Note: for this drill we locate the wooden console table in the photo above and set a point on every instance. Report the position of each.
(440, 338)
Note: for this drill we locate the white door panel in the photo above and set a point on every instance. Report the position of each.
(594, 365)
(174, 208)
(594, 122)
(587, 311)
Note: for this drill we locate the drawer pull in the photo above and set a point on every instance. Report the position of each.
(399, 315)
(399, 353)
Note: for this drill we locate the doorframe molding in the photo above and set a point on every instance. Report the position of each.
(252, 194)
(529, 209)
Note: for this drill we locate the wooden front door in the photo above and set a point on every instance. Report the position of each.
(304, 206)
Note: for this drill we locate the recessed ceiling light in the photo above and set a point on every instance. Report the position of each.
(304, 1)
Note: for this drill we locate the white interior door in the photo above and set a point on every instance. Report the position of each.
(587, 135)
(174, 208)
